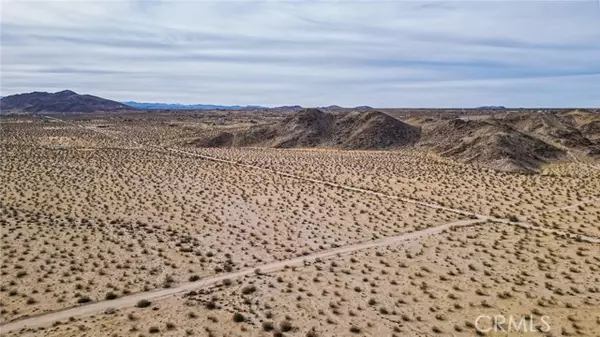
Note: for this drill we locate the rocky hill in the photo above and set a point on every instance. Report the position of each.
(520, 142)
(488, 144)
(574, 131)
(65, 101)
(591, 130)
(315, 128)
(549, 126)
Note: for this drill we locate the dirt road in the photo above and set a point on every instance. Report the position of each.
(585, 202)
(131, 300)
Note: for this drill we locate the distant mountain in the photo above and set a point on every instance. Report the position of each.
(175, 106)
(491, 107)
(337, 108)
(65, 101)
(287, 108)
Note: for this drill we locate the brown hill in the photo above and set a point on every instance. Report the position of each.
(315, 128)
(488, 144)
(65, 101)
(550, 127)
(520, 144)
(223, 139)
(580, 116)
(591, 130)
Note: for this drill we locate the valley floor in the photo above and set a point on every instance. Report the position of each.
(111, 211)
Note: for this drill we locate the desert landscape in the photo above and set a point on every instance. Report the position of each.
(297, 222)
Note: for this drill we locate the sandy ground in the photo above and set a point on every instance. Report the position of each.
(583, 218)
(79, 225)
(93, 212)
(437, 285)
(130, 301)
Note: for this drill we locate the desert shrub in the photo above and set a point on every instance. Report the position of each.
(238, 317)
(110, 296)
(268, 326)
(312, 333)
(249, 289)
(285, 326)
(437, 329)
(84, 299)
(143, 303)
(194, 278)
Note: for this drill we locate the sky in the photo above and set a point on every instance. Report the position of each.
(310, 53)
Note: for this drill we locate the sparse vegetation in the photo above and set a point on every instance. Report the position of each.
(108, 217)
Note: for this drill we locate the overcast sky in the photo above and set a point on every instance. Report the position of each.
(311, 53)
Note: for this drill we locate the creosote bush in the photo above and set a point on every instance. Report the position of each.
(238, 317)
(143, 303)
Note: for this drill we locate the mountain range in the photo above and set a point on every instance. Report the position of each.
(177, 106)
(68, 101)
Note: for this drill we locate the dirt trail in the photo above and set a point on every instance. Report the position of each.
(583, 238)
(585, 202)
(130, 301)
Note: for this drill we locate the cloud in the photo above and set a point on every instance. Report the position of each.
(313, 53)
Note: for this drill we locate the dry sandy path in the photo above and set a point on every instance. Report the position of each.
(525, 225)
(131, 300)
(585, 202)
